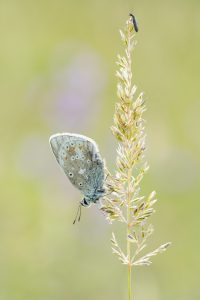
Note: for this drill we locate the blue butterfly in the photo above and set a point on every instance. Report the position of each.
(80, 159)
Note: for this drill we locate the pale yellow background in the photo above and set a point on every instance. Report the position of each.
(57, 65)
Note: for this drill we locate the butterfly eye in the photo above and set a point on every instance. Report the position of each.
(72, 158)
(77, 156)
(71, 174)
(82, 157)
(72, 144)
(80, 184)
(67, 147)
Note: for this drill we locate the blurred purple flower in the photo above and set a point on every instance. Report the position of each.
(76, 97)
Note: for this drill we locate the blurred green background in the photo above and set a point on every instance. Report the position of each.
(57, 66)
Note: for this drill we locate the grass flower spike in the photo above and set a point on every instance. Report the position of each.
(125, 202)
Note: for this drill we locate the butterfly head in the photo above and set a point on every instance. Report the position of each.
(87, 200)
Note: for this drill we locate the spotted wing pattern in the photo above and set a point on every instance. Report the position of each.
(79, 158)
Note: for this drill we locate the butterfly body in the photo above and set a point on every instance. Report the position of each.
(80, 159)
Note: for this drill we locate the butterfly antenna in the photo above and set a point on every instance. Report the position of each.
(78, 214)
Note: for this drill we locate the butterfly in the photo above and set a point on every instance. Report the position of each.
(80, 159)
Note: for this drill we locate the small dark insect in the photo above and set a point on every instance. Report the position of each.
(134, 22)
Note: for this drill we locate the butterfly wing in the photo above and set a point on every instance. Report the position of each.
(79, 158)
